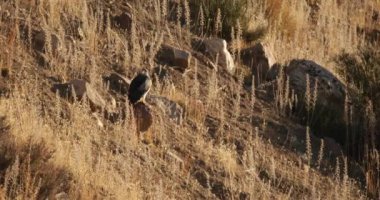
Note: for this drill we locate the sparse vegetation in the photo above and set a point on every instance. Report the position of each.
(234, 140)
(362, 73)
(219, 17)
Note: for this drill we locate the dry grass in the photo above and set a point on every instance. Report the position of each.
(316, 30)
(49, 146)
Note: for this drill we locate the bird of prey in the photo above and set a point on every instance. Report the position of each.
(139, 87)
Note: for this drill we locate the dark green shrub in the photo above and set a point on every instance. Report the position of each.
(231, 11)
(362, 73)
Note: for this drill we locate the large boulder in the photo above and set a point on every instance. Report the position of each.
(173, 56)
(330, 89)
(77, 89)
(172, 109)
(260, 59)
(327, 118)
(217, 48)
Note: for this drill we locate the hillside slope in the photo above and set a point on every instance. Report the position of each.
(232, 141)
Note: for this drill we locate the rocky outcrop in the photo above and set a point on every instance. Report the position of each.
(330, 89)
(216, 48)
(260, 59)
(172, 56)
(78, 89)
(172, 109)
(327, 118)
(117, 83)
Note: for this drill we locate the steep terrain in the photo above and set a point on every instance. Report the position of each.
(215, 134)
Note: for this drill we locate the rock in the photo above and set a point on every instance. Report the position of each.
(144, 117)
(213, 47)
(330, 89)
(80, 88)
(333, 149)
(169, 55)
(260, 59)
(205, 59)
(172, 109)
(220, 190)
(123, 21)
(273, 72)
(202, 177)
(117, 83)
(328, 116)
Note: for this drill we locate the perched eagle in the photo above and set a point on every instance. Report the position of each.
(139, 87)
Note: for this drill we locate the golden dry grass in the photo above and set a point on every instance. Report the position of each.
(49, 146)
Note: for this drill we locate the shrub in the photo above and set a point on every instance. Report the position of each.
(362, 73)
(231, 11)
